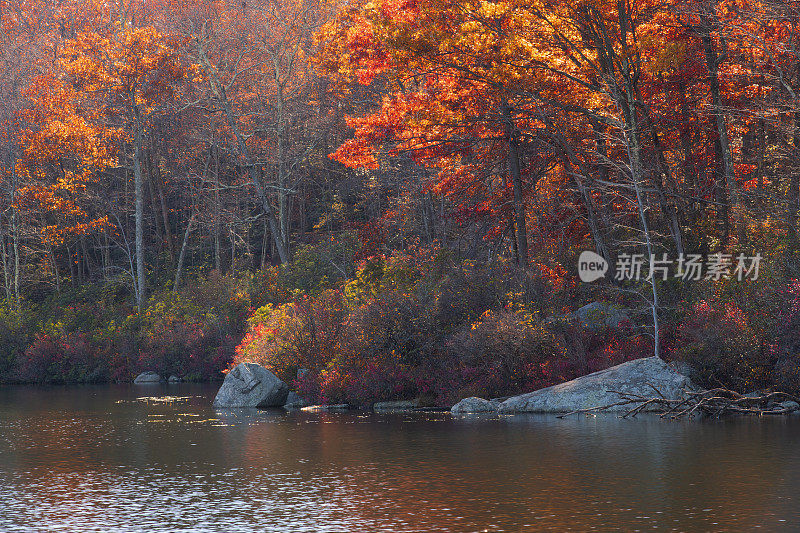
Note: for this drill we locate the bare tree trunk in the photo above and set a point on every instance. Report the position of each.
(636, 168)
(158, 180)
(219, 92)
(52, 255)
(283, 179)
(516, 177)
(233, 251)
(139, 191)
(182, 255)
(15, 236)
(727, 178)
(106, 253)
(6, 273)
(154, 203)
(217, 213)
(793, 194)
(277, 234)
(264, 244)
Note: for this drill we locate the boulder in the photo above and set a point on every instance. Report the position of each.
(147, 378)
(474, 405)
(401, 405)
(599, 314)
(251, 385)
(294, 401)
(682, 367)
(174, 379)
(594, 390)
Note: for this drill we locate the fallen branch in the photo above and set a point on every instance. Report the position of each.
(712, 402)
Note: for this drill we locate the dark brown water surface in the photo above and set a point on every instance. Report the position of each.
(103, 458)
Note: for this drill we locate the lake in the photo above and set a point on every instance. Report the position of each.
(124, 458)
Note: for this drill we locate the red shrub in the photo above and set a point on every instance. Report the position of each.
(59, 359)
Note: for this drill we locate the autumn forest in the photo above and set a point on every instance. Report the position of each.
(393, 194)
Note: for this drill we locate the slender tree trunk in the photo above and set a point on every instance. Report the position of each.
(139, 191)
(219, 92)
(793, 194)
(726, 175)
(159, 182)
(627, 102)
(71, 263)
(52, 255)
(277, 235)
(233, 251)
(634, 157)
(283, 180)
(668, 207)
(520, 222)
(182, 255)
(264, 246)
(106, 253)
(6, 273)
(15, 236)
(154, 202)
(217, 213)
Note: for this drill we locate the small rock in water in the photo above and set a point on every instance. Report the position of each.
(789, 406)
(174, 379)
(251, 385)
(147, 378)
(401, 405)
(474, 405)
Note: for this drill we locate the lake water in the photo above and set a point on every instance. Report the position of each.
(105, 458)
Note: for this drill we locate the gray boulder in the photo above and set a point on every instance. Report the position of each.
(294, 401)
(174, 379)
(599, 314)
(474, 405)
(401, 405)
(594, 390)
(251, 385)
(147, 378)
(682, 367)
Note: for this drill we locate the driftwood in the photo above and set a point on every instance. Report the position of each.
(713, 402)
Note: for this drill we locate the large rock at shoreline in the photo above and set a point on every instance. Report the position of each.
(147, 378)
(251, 385)
(635, 377)
(294, 401)
(474, 405)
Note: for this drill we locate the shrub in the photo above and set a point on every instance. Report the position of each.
(61, 359)
(14, 338)
(717, 342)
(300, 334)
(504, 352)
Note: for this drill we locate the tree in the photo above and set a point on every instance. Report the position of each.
(130, 74)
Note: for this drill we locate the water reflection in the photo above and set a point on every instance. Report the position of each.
(110, 458)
